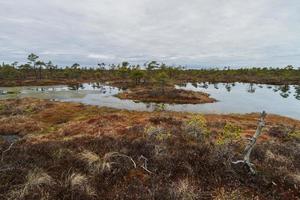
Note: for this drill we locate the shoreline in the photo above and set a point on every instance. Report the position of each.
(128, 83)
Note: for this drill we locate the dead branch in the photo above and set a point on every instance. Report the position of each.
(251, 144)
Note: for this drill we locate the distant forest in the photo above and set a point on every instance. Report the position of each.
(38, 70)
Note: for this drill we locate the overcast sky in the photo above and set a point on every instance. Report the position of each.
(187, 32)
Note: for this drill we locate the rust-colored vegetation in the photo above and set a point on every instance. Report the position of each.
(168, 95)
(72, 151)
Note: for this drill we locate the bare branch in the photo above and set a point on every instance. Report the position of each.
(251, 144)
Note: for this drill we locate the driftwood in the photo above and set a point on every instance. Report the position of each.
(251, 144)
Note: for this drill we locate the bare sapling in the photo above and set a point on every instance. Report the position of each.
(251, 144)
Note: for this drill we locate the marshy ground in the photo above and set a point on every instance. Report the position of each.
(167, 95)
(72, 151)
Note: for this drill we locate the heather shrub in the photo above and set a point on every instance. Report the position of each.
(196, 127)
(230, 133)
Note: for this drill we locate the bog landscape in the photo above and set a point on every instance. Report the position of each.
(132, 132)
(149, 100)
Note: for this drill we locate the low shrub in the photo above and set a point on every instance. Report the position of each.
(157, 132)
(196, 127)
(230, 133)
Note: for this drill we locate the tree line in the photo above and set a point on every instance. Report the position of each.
(36, 69)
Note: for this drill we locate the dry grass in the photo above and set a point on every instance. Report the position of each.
(78, 184)
(94, 162)
(19, 125)
(222, 194)
(38, 184)
(97, 164)
(184, 190)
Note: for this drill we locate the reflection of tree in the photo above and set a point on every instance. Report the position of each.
(228, 87)
(216, 86)
(251, 88)
(81, 86)
(204, 85)
(276, 88)
(195, 85)
(102, 89)
(75, 87)
(297, 92)
(96, 85)
(182, 84)
(284, 91)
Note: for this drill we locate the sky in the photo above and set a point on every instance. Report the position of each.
(193, 33)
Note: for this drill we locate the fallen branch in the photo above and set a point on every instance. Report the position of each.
(251, 144)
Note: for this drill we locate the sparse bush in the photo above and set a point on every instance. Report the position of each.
(157, 132)
(196, 127)
(295, 135)
(230, 133)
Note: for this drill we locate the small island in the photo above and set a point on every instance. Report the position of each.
(167, 95)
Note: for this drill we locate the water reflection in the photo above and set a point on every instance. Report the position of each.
(251, 88)
(284, 90)
(228, 87)
(232, 97)
(297, 92)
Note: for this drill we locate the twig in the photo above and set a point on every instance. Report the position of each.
(114, 154)
(3, 152)
(145, 164)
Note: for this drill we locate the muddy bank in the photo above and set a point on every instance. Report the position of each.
(168, 95)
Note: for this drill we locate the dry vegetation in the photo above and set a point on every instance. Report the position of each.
(72, 151)
(169, 95)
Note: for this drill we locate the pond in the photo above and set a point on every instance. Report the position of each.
(232, 97)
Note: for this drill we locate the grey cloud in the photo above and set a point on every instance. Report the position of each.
(191, 32)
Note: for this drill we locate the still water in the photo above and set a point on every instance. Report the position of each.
(232, 98)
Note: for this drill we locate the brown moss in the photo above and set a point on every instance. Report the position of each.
(169, 95)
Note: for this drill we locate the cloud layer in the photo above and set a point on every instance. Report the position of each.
(191, 32)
